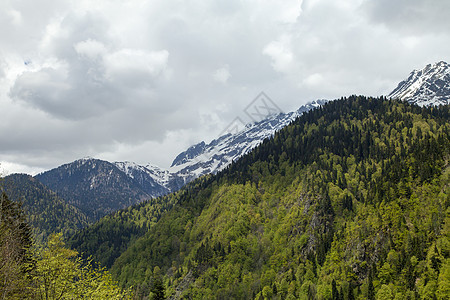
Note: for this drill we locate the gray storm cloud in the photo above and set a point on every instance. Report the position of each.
(143, 80)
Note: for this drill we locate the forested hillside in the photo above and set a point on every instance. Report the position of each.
(105, 240)
(351, 201)
(45, 211)
(31, 272)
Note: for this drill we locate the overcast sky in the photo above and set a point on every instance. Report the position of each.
(143, 80)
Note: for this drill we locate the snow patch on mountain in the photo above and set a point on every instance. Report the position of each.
(153, 180)
(429, 86)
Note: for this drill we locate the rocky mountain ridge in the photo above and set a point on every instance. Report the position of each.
(429, 86)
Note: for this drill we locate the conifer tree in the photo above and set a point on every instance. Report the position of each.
(158, 286)
(15, 244)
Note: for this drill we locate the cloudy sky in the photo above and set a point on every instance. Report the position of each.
(143, 80)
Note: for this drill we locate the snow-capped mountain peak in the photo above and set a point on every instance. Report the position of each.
(429, 86)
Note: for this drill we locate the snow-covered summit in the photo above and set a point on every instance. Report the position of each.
(429, 86)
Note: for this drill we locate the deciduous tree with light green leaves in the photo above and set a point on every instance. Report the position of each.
(61, 274)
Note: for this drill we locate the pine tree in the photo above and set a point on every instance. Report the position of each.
(370, 288)
(16, 261)
(158, 286)
(334, 291)
(350, 295)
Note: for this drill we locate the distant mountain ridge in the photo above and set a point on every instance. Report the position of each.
(429, 86)
(89, 182)
(95, 186)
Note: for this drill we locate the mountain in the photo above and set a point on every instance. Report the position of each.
(95, 186)
(90, 182)
(46, 212)
(349, 201)
(202, 158)
(429, 86)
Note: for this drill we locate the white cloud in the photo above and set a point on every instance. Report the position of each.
(16, 17)
(90, 48)
(410, 42)
(281, 54)
(7, 168)
(129, 62)
(222, 74)
(290, 10)
(287, 11)
(315, 79)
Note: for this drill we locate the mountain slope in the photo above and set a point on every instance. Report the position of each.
(150, 179)
(109, 237)
(96, 187)
(429, 86)
(350, 199)
(45, 211)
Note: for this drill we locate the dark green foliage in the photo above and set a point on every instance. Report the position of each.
(45, 211)
(13, 222)
(334, 291)
(16, 262)
(350, 295)
(158, 286)
(105, 240)
(370, 288)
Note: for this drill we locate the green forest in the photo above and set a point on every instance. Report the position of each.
(52, 271)
(350, 201)
(46, 212)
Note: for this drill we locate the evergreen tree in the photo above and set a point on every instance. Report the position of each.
(350, 295)
(370, 288)
(334, 291)
(157, 290)
(16, 261)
